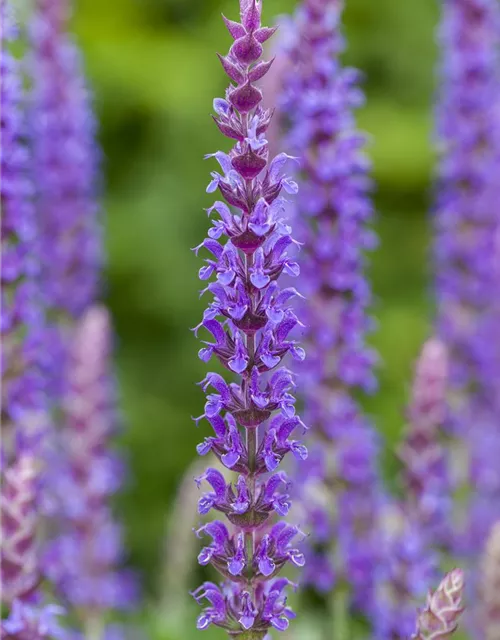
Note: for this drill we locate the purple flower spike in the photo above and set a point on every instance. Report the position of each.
(66, 162)
(489, 588)
(332, 214)
(467, 224)
(20, 571)
(408, 568)
(22, 326)
(19, 556)
(250, 323)
(82, 561)
(439, 619)
(425, 470)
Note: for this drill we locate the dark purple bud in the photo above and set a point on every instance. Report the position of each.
(250, 16)
(245, 98)
(260, 70)
(248, 165)
(264, 33)
(247, 49)
(228, 131)
(231, 69)
(235, 28)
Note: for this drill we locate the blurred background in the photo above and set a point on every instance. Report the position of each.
(153, 68)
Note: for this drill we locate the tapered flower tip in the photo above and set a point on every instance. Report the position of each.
(439, 619)
(250, 11)
(429, 387)
(93, 335)
(433, 361)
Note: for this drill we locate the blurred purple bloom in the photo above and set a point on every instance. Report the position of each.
(467, 227)
(22, 324)
(66, 162)
(27, 622)
(20, 573)
(83, 560)
(332, 216)
(409, 566)
(425, 464)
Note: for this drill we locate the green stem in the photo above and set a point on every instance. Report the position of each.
(250, 635)
(339, 606)
(93, 627)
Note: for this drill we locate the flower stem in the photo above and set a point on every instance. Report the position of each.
(339, 611)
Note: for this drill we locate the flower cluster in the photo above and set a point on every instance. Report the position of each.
(439, 619)
(65, 167)
(22, 380)
(22, 324)
(251, 321)
(82, 560)
(20, 570)
(425, 474)
(466, 224)
(331, 215)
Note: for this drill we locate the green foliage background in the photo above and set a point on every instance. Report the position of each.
(153, 68)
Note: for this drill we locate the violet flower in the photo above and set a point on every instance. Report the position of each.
(466, 224)
(407, 567)
(250, 320)
(489, 587)
(414, 528)
(425, 472)
(83, 560)
(20, 571)
(333, 212)
(439, 619)
(66, 162)
(22, 325)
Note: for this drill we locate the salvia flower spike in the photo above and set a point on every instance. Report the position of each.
(251, 323)
(466, 225)
(439, 619)
(83, 560)
(20, 570)
(22, 326)
(425, 468)
(332, 215)
(66, 158)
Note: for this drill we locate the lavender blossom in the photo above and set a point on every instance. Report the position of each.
(489, 589)
(425, 477)
(408, 566)
(21, 318)
(65, 158)
(439, 619)
(333, 212)
(20, 571)
(20, 574)
(466, 223)
(82, 561)
(250, 320)
(26, 622)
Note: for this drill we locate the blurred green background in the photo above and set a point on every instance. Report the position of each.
(153, 68)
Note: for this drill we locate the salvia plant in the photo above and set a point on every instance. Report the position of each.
(466, 222)
(288, 323)
(332, 213)
(250, 319)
